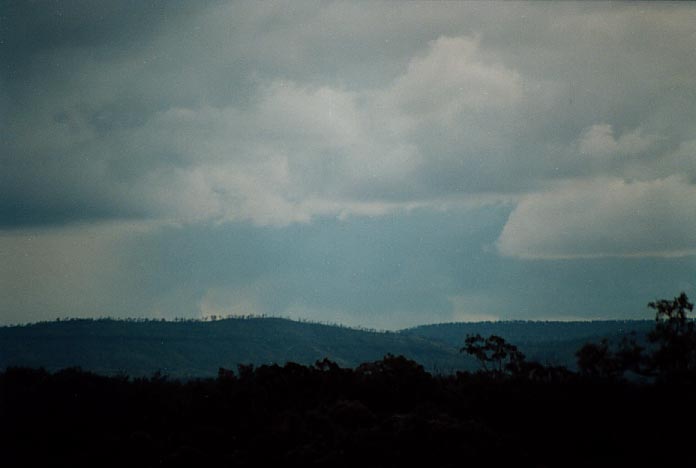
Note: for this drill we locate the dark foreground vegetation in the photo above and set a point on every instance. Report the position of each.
(630, 404)
(387, 413)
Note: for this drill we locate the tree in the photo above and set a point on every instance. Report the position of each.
(674, 335)
(600, 360)
(673, 349)
(494, 354)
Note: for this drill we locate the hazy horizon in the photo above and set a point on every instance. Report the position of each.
(217, 318)
(379, 164)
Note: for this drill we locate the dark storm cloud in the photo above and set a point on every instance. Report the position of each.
(52, 168)
(32, 27)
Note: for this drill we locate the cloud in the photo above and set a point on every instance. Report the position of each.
(453, 79)
(604, 218)
(297, 153)
(598, 140)
(188, 114)
(294, 153)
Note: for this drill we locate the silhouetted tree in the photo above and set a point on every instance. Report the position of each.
(598, 360)
(674, 335)
(673, 351)
(393, 366)
(494, 353)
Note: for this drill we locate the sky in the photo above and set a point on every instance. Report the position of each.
(373, 164)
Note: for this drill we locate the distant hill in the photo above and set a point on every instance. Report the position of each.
(547, 342)
(198, 349)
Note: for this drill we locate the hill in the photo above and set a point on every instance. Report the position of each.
(198, 349)
(547, 342)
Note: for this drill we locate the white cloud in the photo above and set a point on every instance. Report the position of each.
(599, 140)
(297, 152)
(604, 217)
(451, 79)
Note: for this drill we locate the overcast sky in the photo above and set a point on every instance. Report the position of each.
(374, 164)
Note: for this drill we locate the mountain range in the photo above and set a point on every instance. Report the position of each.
(188, 349)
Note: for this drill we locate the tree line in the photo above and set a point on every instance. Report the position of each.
(668, 353)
